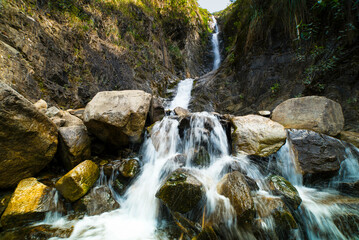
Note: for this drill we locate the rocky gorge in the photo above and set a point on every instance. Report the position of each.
(129, 164)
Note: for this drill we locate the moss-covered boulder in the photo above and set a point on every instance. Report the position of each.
(257, 135)
(78, 181)
(118, 117)
(280, 186)
(28, 139)
(235, 188)
(181, 191)
(30, 202)
(129, 168)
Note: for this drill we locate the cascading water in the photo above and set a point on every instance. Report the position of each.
(323, 212)
(215, 44)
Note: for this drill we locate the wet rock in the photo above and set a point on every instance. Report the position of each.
(74, 145)
(39, 232)
(256, 135)
(181, 112)
(280, 186)
(350, 137)
(265, 205)
(181, 191)
(97, 201)
(235, 188)
(315, 113)
(78, 181)
(120, 186)
(201, 157)
(207, 234)
(157, 110)
(317, 156)
(118, 117)
(348, 224)
(187, 226)
(351, 188)
(28, 139)
(129, 168)
(41, 106)
(30, 202)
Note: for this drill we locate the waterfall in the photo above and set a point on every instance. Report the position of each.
(215, 44)
(183, 95)
(322, 210)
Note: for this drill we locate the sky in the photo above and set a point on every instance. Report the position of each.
(214, 5)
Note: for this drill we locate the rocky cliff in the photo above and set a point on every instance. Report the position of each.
(275, 50)
(66, 51)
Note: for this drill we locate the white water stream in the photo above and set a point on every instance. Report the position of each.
(215, 44)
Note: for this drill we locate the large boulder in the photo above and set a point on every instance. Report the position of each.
(181, 191)
(315, 113)
(78, 181)
(30, 202)
(256, 135)
(74, 141)
(28, 139)
(316, 156)
(280, 186)
(97, 201)
(118, 117)
(235, 188)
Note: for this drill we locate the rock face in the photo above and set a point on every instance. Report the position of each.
(78, 181)
(234, 187)
(181, 191)
(28, 139)
(157, 110)
(315, 113)
(280, 186)
(29, 202)
(316, 154)
(256, 135)
(118, 117)
(97, 201)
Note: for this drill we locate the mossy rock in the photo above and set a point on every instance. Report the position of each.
(181, 191)
(78, 181)
(280, 186)
(129, 168)
(201, 157)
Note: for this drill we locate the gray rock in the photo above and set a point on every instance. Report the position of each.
(257, 135)
(28, 139)
(118, 117)
(157, 110)
(315, 113)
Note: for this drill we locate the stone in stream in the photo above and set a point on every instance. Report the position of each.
(317, 156)
(201, 157)
(257, 135)
(38, 232)
(181, 191)
(78, 181)
(235, 188)
(181, 112)
(97, 201)
(280, 186)
(315, 113)
(28, 139)
(129, 168)
(118, 117)
(30, 202)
